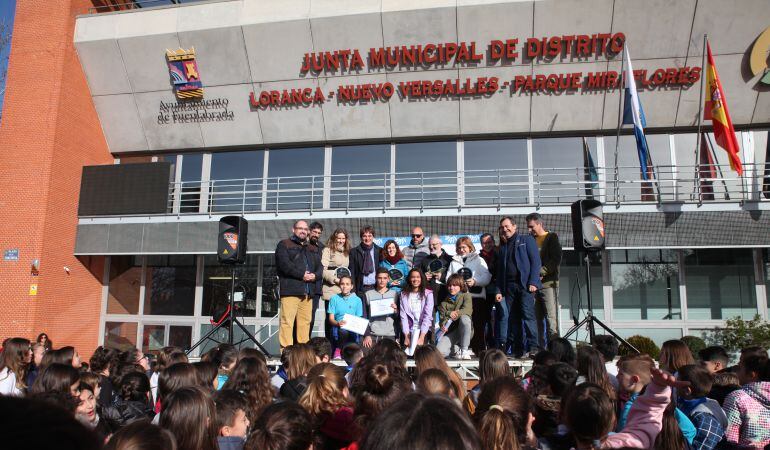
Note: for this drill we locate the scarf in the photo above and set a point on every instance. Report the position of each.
(393, 260)
(368, 260)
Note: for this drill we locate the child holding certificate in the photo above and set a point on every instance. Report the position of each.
(416, 311)
(381, 325)
(340, 304)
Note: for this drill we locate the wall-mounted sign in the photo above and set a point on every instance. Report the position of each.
(11, 254)
(33, 290)
(758, 58)
(184, 73)
(198, 111)
(468, 54)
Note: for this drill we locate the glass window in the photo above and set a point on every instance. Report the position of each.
(232, 173)
(573, 300)
(762, 161)
(766, 272)
(631, 187)
(645, 284)
(125, 280)
(360, 176)
(563, 171)
(295, 179)
(120, 335)
(270, 300)
(170, 285)
(658, 335)
(496, 172)
(217, 284)
(221, 336)
(719, 182)
(153, 338)
(426, 174)
(180, 336)
(720, 283)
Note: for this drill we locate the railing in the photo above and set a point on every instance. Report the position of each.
(470, 188)
(101, 6)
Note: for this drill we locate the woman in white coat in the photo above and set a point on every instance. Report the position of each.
(467, 260)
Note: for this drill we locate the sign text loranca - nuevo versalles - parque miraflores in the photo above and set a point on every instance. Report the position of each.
(467, 54)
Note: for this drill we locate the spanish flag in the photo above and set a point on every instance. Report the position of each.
(716, 111)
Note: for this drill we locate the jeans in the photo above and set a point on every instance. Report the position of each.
(340, 338)
(459, 334)
(547, 307)
(482, 316)
(515, 321)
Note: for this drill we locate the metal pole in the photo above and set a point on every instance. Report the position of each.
(591, 331)
(620, 124)
(232, 305)
(700, 118)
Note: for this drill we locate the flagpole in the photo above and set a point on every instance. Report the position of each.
(620, 124)
(696, 184)
(710, 148)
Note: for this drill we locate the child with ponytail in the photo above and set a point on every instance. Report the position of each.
(503, 418)
(326, 399)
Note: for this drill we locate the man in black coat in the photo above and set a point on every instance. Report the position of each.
(316, 230)
(436, 281)
(365, 258)
(298, 264)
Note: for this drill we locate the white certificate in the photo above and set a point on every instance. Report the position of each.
(355, 324)
(381, 307)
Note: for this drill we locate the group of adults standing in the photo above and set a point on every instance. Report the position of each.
(513, 285)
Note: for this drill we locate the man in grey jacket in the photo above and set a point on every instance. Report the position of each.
(417, 248)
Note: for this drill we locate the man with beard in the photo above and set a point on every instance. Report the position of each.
(417, 248)
(435, 281)
(365, 258)
(299, 266)
(316, 230)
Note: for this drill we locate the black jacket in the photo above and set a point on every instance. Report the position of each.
(357, 265)
(293, 389)
(125, 412)
(550, 256)
(292, 260)
(437, 286)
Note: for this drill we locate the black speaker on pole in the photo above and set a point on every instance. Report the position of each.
(587, 225)
(231, 241)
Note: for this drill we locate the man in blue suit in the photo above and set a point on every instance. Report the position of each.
(518, 278)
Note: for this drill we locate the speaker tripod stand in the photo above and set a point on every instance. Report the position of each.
(590, 320)
(230, 320)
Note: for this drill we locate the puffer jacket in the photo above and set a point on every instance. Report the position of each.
(292, 259)
(331, 260)
(414, 253)
(748, 415)
(462, 304)
(125, 412)
(478, 267)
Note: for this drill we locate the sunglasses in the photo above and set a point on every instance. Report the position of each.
(416, 235)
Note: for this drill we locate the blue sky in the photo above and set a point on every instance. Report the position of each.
(7, 12)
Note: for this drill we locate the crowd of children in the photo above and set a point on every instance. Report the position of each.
(230, 400)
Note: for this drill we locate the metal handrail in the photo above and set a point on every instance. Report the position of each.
(133, 5)
(490, 187)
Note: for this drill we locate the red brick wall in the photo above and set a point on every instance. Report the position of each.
(49, 130)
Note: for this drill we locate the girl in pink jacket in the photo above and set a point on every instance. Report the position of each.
(589, 415)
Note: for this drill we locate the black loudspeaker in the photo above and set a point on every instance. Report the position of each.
(587, 225)
(231, 241)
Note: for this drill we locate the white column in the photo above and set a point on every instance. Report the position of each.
(759, 282)
(392, 174)
(530, 172)
(460, 172)
(751, 181)
(198, 302)
(674, 167)
(682, 285)
(105, 297)
(203, 202)
(601, 169)
(265, 164)
(327, 182)
(177, 184)
(607, 287)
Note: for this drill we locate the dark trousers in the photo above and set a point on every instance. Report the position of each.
(341, 337)
(482, 316)
(516, 326)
